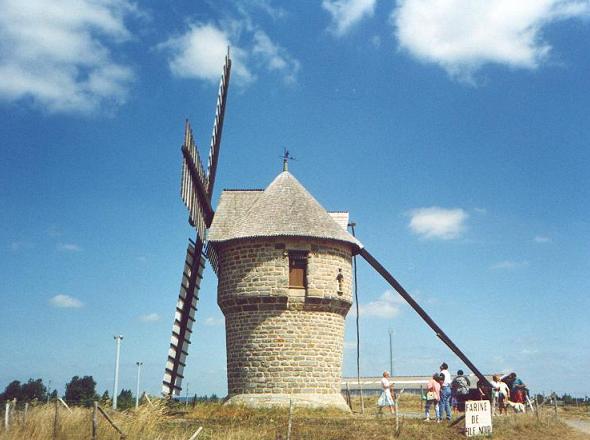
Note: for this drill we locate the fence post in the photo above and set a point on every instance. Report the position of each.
(396, 417)
(290, 419)
(94, 421)
(555, 402)
(55, 419)
(348, 399)
(25, 413)
(362, 398)
(421, 397)
(7, 416)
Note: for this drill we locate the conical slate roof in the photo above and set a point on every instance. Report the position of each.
(285, 208)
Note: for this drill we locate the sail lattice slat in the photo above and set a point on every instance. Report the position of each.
(184, 318)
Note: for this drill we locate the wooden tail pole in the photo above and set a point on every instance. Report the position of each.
(439, 332)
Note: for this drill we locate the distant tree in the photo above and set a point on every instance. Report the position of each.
(33, 389)
(53, 394)
(125, 399)
(81, 390)
(12, 391)
(105, 398)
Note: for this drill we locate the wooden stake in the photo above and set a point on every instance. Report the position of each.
(148, 399)
(25, 413)
(64, 404)
(113, 424)
(94, 421)
(196, 434)
(7, 416)
(290, 419)
(55, 419)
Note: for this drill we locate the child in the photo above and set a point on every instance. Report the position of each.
(433, 397)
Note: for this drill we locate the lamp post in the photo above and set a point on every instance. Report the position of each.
(139, 364)
(118, 340)
(390, 351)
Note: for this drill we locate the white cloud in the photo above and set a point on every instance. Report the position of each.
(376, 41)
(435, 222)
(211, 321)
(200, 53)
(346, 13)
(387, 306)
(529, 351)
(150, 317)
(65, 302)
(463, 35)
(20, 245)
(509, 265)
(68, 247)
(275, 57)
(55, 53)
(541, 239)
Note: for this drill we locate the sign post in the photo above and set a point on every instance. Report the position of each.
(478, 418)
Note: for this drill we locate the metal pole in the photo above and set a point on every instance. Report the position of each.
(358, 337)
(139, 364)
(116, 385)
(390, 352)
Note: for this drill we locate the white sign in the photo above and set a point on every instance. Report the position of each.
(478, 418)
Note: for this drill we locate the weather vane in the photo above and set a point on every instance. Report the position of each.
(286, 158)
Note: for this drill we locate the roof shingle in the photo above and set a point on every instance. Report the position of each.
(284, 208)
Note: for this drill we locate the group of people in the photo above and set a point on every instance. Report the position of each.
(444, 392)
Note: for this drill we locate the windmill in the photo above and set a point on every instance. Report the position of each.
(284, 268)
(196, 192)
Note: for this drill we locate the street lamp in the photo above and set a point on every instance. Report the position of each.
(390, 351)
(118, 340)
(139, 364)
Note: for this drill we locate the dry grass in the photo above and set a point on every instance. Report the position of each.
(162, 422)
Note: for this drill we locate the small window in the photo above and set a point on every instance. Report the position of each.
(298, 269)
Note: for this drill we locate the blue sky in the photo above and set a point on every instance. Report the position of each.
(456, 133)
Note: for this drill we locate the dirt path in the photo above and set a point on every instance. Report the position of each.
(579, 425)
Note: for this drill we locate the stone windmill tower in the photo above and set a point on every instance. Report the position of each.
(284, 269)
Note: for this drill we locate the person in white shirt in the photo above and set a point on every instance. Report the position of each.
(445, 392)
(386, 398)
(503, 393)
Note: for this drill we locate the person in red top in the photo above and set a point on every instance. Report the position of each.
(433, 397)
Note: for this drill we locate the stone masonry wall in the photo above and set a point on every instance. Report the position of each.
(279, 339)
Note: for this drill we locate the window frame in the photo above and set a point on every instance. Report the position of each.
(298, 258)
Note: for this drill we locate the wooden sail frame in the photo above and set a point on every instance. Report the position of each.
(196, 191)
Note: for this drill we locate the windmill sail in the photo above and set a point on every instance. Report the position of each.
(218, 125)
(196, 191)
(184, 318)
(194, 183)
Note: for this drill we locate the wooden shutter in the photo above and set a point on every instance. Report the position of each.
(297, 269)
